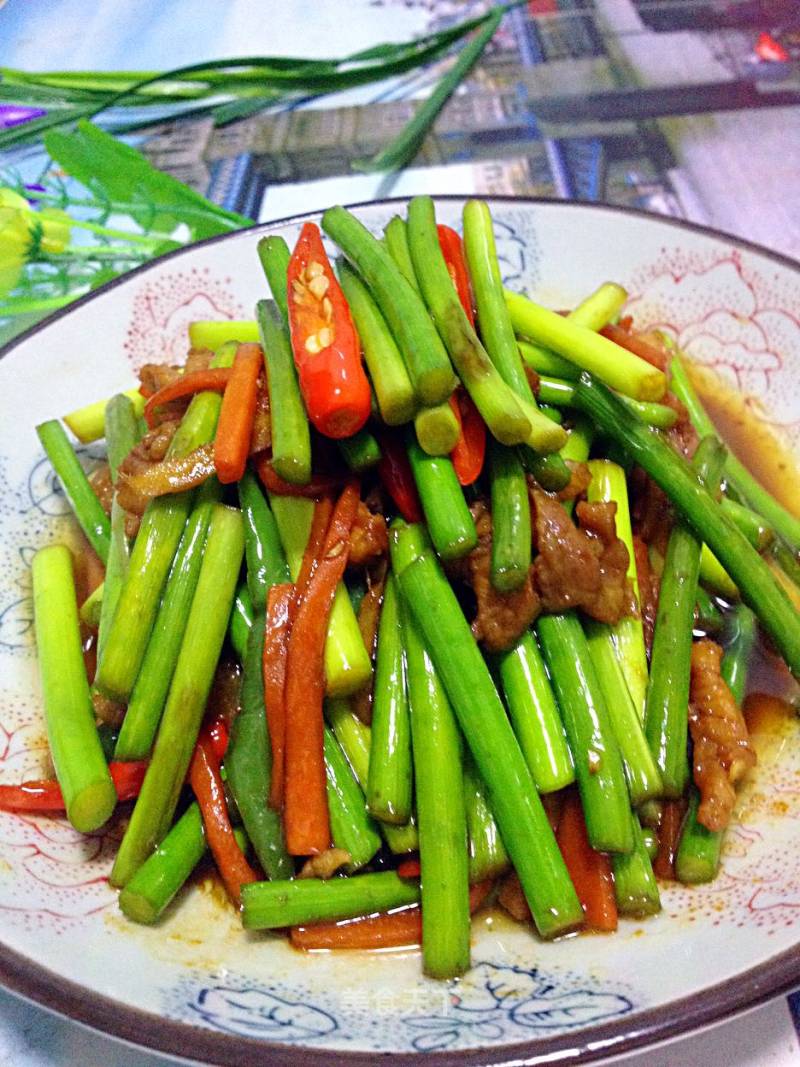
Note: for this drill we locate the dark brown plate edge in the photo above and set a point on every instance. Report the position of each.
(777, 975)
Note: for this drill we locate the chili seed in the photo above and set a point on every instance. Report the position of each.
(319, 286)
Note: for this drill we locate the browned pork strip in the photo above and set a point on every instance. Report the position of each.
(580, 567)
(369, 538)
(614, 597)
(512, 898)
(501, 617)
(579, 478)
(100, 481)
(722, 748)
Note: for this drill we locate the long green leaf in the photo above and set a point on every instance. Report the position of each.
(402, 149)
(290, 75)
(112, 169)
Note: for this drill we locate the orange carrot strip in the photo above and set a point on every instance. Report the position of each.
(314, 548)
(276, 651)
(392, 929)
(643, 349)
(305, 796)
(589, 870)
(282, 606)
(198, 381)
(206, 782)
(235, 426)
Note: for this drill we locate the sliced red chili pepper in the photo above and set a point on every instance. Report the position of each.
(470, 450)
(453, 251)
(218, 736)
(409, 868)
(325, 344)
(197, 381)
(46, 796)
(394, 471)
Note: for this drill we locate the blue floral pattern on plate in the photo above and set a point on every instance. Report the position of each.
(31, 517)
(494, 1003)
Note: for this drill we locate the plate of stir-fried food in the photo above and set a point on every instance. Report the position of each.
(399, 638)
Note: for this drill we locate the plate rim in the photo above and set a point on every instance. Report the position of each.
(23, 976)
(501, 198)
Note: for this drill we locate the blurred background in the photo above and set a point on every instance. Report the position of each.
(685, 107)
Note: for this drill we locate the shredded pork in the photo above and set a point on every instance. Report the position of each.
(722, 749)
(326, 864)
(369, 538)
(581, 567)
(500, 617)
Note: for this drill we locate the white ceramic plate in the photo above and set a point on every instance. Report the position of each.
(199, 987)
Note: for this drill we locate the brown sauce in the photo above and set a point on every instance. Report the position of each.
(771, 462)
(767, 714)
(751, 440)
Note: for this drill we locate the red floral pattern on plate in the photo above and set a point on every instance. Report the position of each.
(164, 306)
(730, 315)
(50, 874)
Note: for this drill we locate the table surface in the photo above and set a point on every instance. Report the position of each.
(674, 145)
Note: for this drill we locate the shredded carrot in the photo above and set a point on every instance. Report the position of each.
(669, 834)
(392, 929)
(306, 821)
(276, 650)
(641, 348)
(589, 870)
(238, 411)
(320, 484)
(314, 548)
(197, 381)
(206, 783)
